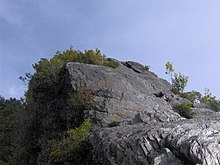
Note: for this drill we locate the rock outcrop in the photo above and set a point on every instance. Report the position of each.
(135, 122)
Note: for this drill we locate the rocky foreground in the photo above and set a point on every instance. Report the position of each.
(135, 122)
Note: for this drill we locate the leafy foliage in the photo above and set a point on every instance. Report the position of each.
(52, 108)
(67, 152)
(179, 81)
(169, 68)
(193, 96)
(79, 134)
(83, 98)
(9, 109)
(185, 110)
(210, 100)
(26, 78)
(88, 57)
(50, 122)
(48, 78)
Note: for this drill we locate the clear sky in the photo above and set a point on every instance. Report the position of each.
(152, 32)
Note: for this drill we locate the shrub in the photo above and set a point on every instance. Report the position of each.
(185, 110)
(179, 81)
(69, 150)
(88, 57)
(79, 101)
(192, 96)
(48, 77)
(83, 98)
(210, 100)
(9, 110)
(78, 135)
(51, 109)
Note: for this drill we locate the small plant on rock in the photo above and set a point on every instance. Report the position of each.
(194, 96)
(210, 100)
(83, 98)
(185, 110)
(179, 81)
(68, 150)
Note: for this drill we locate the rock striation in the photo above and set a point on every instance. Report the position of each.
(135, 122)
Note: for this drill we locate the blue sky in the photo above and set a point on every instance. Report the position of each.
(152, 32)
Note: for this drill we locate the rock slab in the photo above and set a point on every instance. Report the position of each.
(135, 122)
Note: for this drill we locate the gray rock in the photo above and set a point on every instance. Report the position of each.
(148, 132)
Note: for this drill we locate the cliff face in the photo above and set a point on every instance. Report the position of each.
(134, 121)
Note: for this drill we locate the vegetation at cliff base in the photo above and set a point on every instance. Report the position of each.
(69, 149)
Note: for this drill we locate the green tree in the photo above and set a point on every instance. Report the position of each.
(9, 109)
(71, 150)
(179, 81)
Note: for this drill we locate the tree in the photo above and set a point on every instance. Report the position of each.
(9, 109)
(179, 81)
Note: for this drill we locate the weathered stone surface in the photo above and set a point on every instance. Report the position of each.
(146, 130)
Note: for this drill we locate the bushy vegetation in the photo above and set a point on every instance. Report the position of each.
(79, 134)
(70, 55)
(48, 73)
(52, 109)
(185, 110)
(9, 109)
(51, 124)
(207, 99)
(68, 151)
(179, 81)
(210, 100)
(193, 96)
(88, 57)
(83, 97)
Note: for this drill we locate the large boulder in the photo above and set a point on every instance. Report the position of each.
(134, 122)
